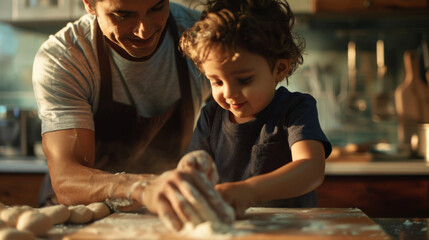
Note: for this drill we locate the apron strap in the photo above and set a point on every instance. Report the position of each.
(105, 94)
(132, 145)
(181, 64)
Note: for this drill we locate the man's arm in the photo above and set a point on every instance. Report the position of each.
(70, 155)
(173, 195)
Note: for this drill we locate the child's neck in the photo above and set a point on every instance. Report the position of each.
(237, 120)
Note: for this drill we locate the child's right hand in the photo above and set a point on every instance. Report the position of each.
(238, 194)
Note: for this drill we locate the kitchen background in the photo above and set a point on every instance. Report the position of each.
(363, 40)
(329, 27)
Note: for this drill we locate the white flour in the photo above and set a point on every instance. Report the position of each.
(211, 230)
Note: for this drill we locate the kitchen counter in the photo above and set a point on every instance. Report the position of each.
(403, 167)
(266, 223)
(258, 223)
(405, 228)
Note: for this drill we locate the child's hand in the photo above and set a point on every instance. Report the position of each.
(202, 161)
(238, 194)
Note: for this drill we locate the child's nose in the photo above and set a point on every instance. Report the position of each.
(230, 91)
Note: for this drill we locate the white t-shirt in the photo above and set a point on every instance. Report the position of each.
(66, 76)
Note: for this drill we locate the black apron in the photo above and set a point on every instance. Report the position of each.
(127, 142)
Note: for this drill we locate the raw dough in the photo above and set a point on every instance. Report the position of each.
(14, 234)
(35, 222)
(58, 213)
(11, 215)
(99, 209)
(79, 214)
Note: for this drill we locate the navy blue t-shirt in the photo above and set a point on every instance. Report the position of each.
(263, 144)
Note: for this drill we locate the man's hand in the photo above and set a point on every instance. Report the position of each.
(200, 160)
(186, 195)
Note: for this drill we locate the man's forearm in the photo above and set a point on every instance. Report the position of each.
(82, 185)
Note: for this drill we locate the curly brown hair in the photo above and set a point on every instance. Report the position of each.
(262, 27)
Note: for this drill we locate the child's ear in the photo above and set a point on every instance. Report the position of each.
(282, 69)
(89, 8)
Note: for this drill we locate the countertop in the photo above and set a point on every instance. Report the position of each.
(405, 228)
(258, 224)
(290, 221)
(373, 167)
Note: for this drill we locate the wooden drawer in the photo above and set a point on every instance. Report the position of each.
(378, 196)
(20, 189)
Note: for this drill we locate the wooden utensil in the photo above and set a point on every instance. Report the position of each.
(411, 98)
(426, 57)
(355, 104)
(383, 103)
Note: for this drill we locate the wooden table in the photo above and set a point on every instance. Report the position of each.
(259, 223)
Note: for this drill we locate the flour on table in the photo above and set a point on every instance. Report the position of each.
(211, 230)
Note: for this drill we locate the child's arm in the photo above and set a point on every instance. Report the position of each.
(302, 175)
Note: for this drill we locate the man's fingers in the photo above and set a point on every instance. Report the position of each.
(186, 196)
(199, 203)
(225, 212)
(201, 161)
(182, 206)
(168, 217)
(213, 174)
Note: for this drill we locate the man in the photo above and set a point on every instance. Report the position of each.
(115, 96)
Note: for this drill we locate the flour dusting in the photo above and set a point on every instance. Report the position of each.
(211, 230)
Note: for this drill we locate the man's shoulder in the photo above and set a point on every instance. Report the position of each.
(79, 32)
(73, 43)
(185, 17)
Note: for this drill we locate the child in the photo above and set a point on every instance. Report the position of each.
(267, 144)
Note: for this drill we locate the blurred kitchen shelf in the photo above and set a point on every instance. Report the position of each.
(366, 22)
(23, 99)
(22, 164)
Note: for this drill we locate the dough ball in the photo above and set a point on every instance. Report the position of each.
(2, 224)
(99, 209)
(79, 214)
(58, 213)
(14, 234)
(11, 215)
(35, 222)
